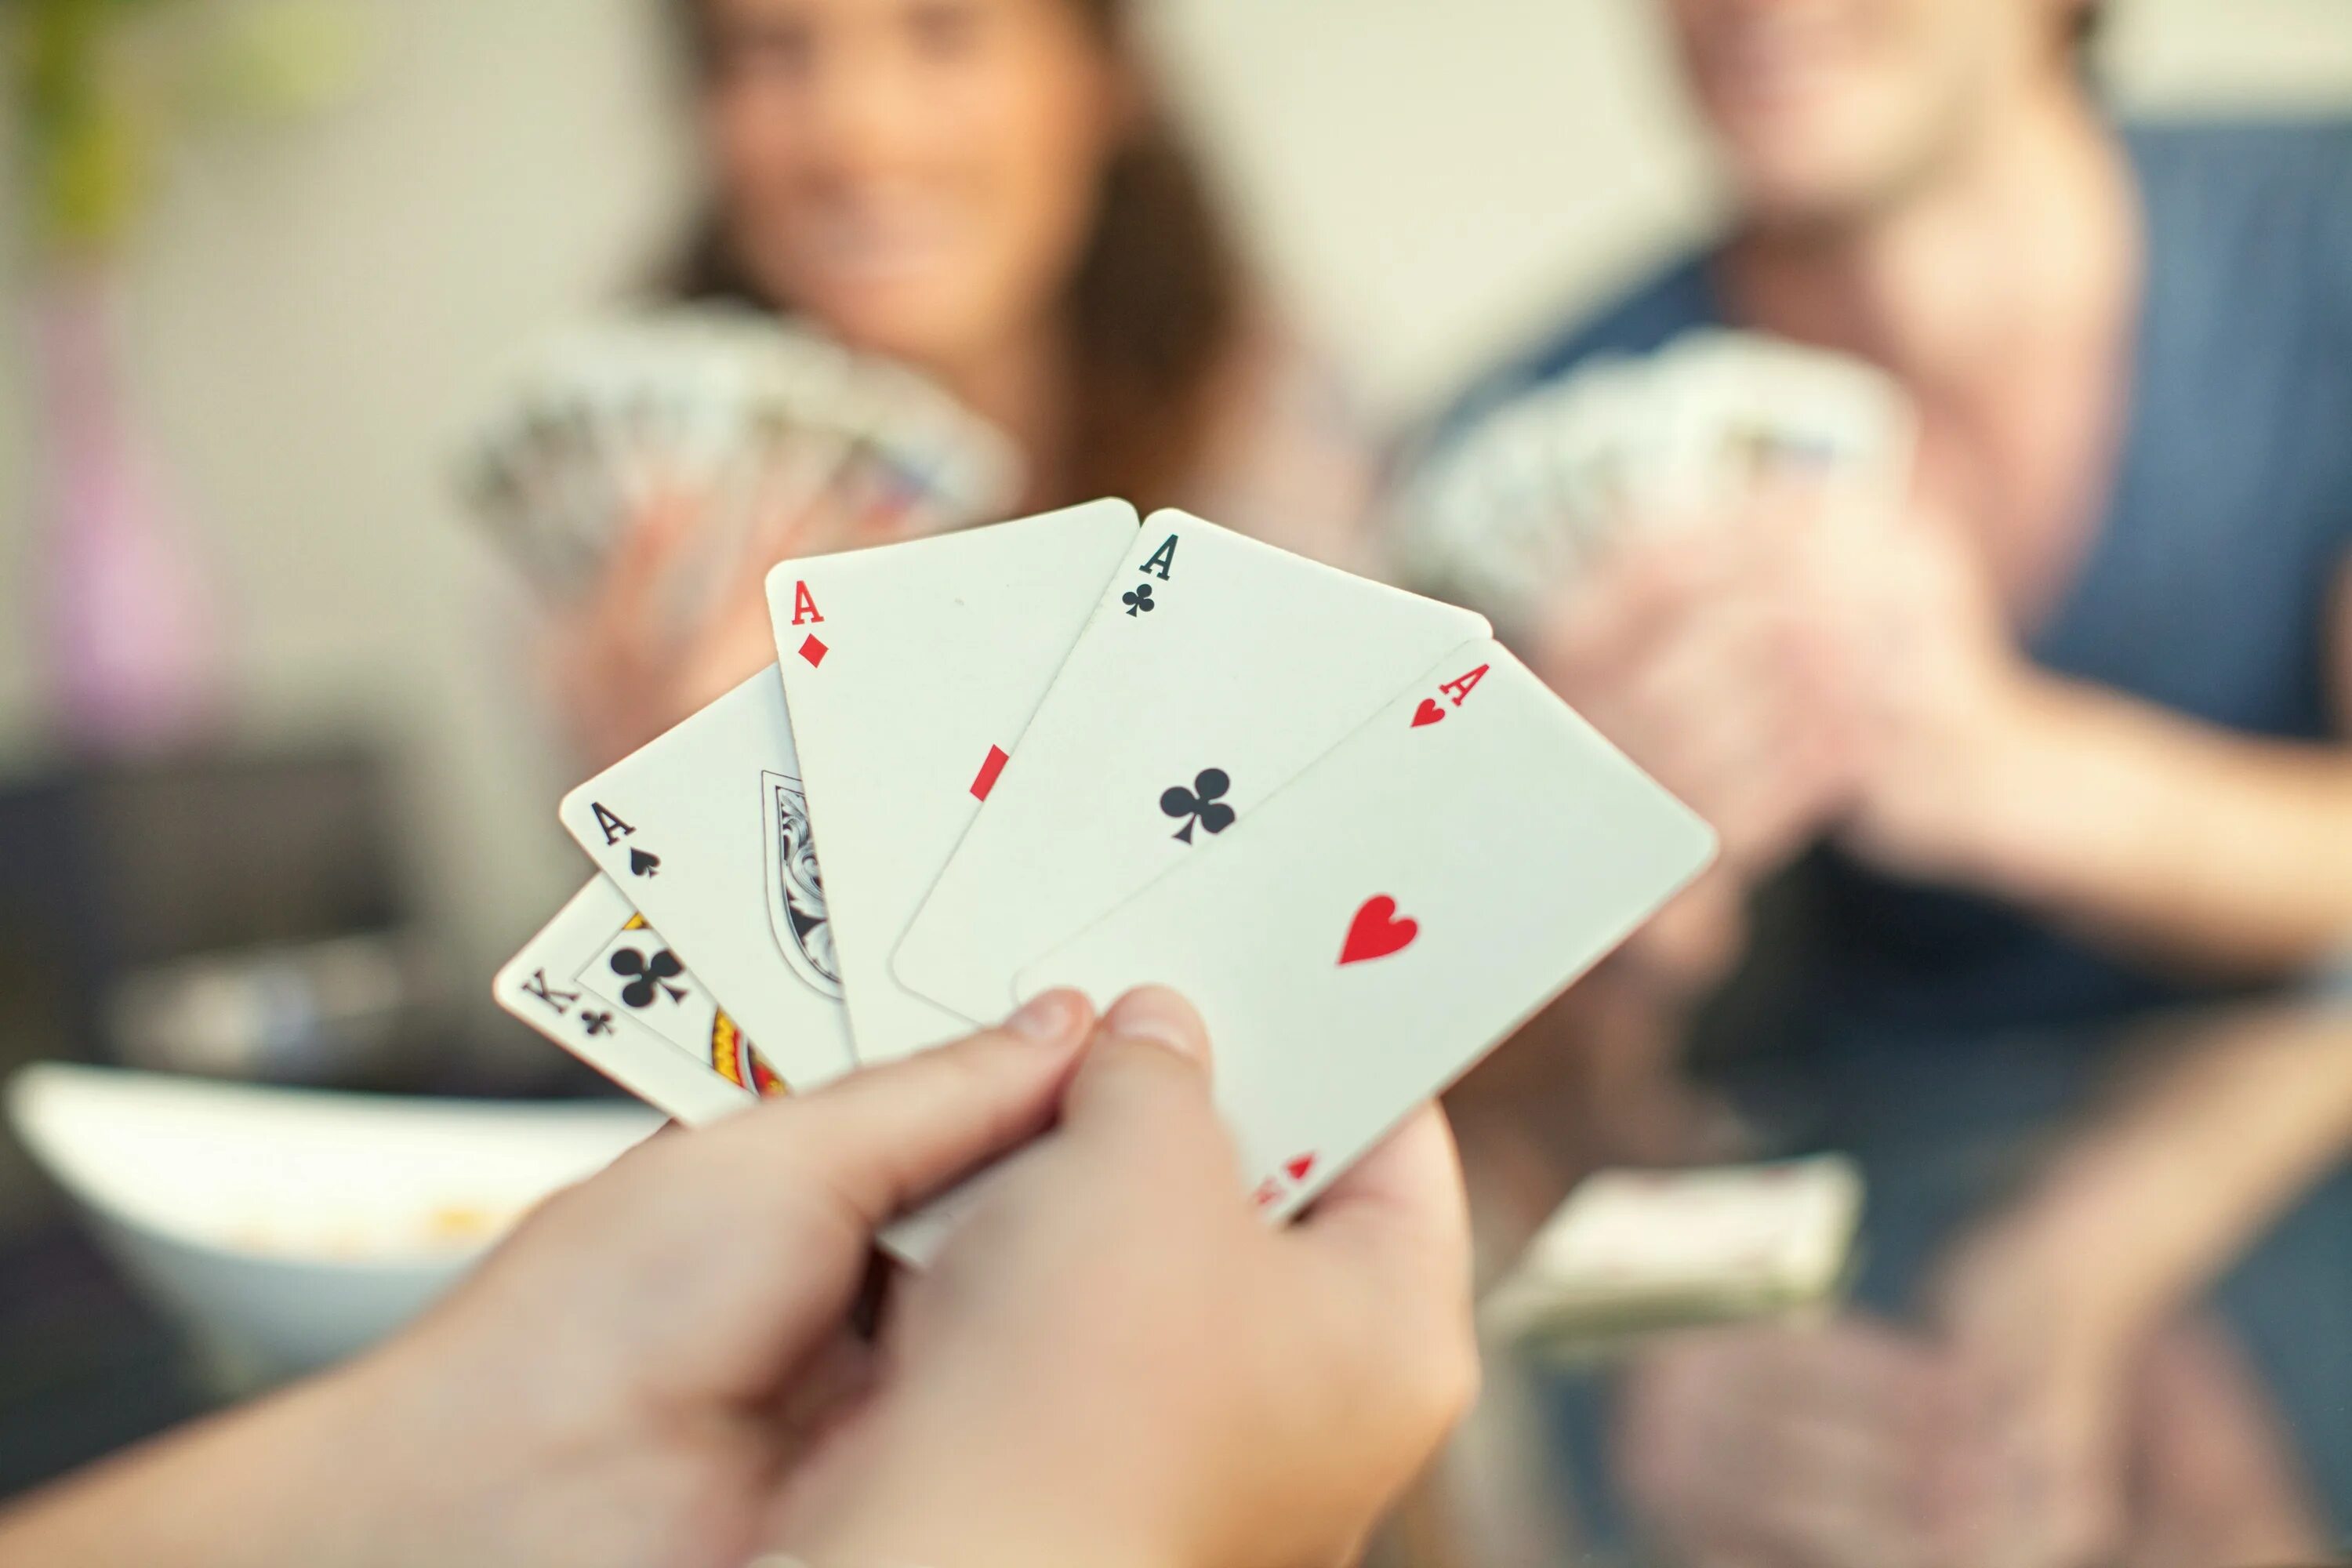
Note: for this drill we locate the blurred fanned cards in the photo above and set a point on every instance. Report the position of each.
(1638, 1252)
(750, 418)
(1359, 835)
(1543, 484)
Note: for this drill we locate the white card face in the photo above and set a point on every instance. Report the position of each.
(910, 672)
(1360, 940)
(1214, 668)
(707, 829)
(602, 983)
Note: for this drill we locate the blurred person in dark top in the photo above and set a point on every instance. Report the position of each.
(2041, 783)
(990, 192)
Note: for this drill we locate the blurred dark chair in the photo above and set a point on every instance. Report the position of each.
(245, 914)
(239, 913)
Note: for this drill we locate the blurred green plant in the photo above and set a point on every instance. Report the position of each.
(100, 87)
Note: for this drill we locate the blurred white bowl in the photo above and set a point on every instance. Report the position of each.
(289, 1227)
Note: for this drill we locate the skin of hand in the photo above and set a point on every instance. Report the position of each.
(1954, 722)
(1714, 651)
(2153, 832)
(2058, 1366)
(1719, 652)
(1845, 1445)
(1199, 1389)
(2215, 1476)
(2219, 1119)
(625, 664)
(1801, 662)
(1116, 1363)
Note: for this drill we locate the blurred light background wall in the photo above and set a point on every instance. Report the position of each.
(315, 309)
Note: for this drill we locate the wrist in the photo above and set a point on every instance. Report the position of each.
(2001, 802)
(2023, 1278)
(965, 1510)
(270, 1482)
(338, 1426)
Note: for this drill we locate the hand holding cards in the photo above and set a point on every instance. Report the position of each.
(1363, 839)
(1548, 481)
(751, 417)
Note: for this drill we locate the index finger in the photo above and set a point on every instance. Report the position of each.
(865, 1148)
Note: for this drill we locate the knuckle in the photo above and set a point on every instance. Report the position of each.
(808, 1196)
(972, 1066)
(1121, 1068)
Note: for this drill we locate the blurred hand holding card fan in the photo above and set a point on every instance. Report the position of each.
(1545, 483)
(754, 422)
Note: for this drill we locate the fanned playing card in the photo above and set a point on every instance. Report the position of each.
(604, 985)
(910, 671)
(1213, 669)
(707, 829)
(1361, 939)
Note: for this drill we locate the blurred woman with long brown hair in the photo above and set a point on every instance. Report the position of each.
(990, 192)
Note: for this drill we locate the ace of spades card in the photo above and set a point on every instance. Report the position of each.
(707, 829)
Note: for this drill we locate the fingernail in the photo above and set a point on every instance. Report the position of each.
(1156, 1014)
(1048, 1017)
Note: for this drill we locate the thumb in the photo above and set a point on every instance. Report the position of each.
(1145, 1076)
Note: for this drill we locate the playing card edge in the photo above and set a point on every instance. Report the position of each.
(1442, 608)
(867, 553)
